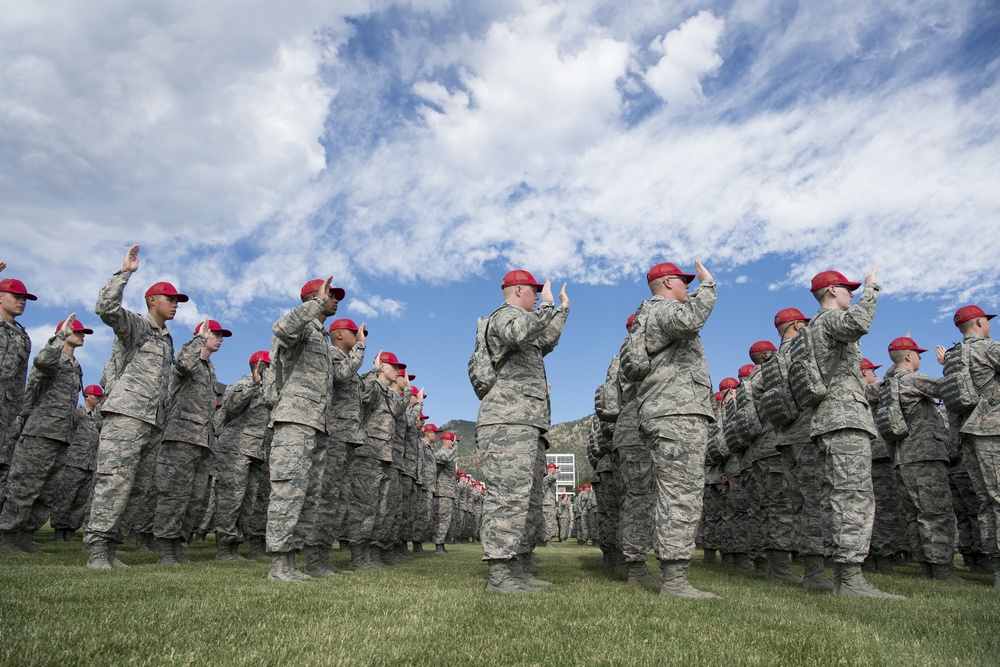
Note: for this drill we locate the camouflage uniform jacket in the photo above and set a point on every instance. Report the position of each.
(15, 348)
(445, 460)
(307, 366)
(59, 379)
(428, 467)
(798, 431)
(681, 384)
(732, 465)
(248, 416)
(599, 447)
(985, 369)
(141, 390)
(627, 426)
(381, 405)
(716, 453)
(765, 444)
(411, 451)
(880, 450)
(549, 489)
(928, 439)
(82, 450)
(520, 395)
(192, 397)
(845, 405)
(345, 399)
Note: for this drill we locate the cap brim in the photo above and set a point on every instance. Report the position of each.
(851, 286)
(225, 333)
(686, 277)
(338, 292)
(84, 331)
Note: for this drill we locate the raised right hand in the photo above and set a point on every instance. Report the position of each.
(131, 261)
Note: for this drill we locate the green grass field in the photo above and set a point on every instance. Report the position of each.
(434, 611)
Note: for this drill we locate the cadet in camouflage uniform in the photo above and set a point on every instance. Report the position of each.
(428, 479)
(411, 470)
(753, 530)
(136, 380)
(736, 511)
(607, 495)
(801, 468)
(184, 456)
(966, 505)
(512, 422)
(771, 487)
(302, 353)
(372, 462)
(922, 458)
(346, 433)
(588, 515)
(240, 454)
(564, 509)
(549, 503)
(888, 510)
(981, 428)
(842, 427)
(444, 490)
(73, 482)
(419, 519)
(675, 410)
(15, 348)
(53, 389)
(714, 499)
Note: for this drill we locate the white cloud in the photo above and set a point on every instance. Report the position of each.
(740, 280)
(376, 306)
(688, 54)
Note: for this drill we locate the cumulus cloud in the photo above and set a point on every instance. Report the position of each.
(581, 139)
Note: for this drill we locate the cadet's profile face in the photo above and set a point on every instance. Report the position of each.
(868, 375)
(843, 297)
(675, 288)
(915, 360)
(330, 307)
(214, 341)
(164, 306)
(12, 305)
(75, 339)
(91, 401)
(526, 297)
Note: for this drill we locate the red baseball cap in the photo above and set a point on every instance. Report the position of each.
(629, 321)
(745, 370)
(390, 358)
(214, 327)
(904, 343)
(344, 323)
(448, 435)
(93, 390)
(718, 396)
(416, 392)
(551, 465)
(431, 428)
(763, 346)
(728, 383)
(166, 289)
(260, 355)
(966, 313)
(15, 286)
(832, 279)
(314, 285)
(664, 269)
(423, 416)
(786, 315)
(411, 377)
(77, 327)
(519, 277)
(866, 364)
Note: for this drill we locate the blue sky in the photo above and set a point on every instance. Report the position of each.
(418, 150)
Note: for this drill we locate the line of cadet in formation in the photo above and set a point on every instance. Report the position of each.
(832, 479)
(327, 456)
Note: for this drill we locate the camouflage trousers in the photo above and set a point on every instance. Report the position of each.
(966, 505)
(710, 532)
(403, 531)
(987, 450)
(551, 524)
(443, 509)
(237, 484)
(296, 466)
(388, 511)
(369, 484)
(678, 448)
(735, 516)
(987, 520)
(565, 528)
(512, 459)
(421, 521)
(181, 489)
(609, 504)
(755, 518)
(801, 464)
(32, 464)
(774, 503)
(848, 503)
(205, 515)
(633, 468)
(71, 491)
(929, 511)
(333, 497)
(141, 506)
(889, 525)
(536, 498)
(125, 444)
